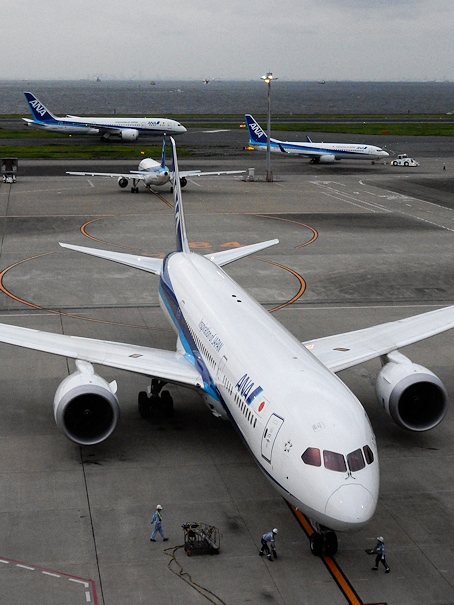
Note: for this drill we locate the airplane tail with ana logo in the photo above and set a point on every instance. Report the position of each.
(182, 244)
(256, 132)
(39, 111)
(163, 154)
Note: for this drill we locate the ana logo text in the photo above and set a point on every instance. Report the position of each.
(245, 387)
(38, 107)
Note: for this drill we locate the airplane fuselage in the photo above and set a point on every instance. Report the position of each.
(280, 398)
(338, 151)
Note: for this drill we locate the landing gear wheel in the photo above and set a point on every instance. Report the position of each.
(144, 405)
(316, 544)
(330, 540)
(166, 404)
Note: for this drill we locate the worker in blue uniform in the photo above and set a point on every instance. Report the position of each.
(157, 522)
(265, 550)
(379, 550)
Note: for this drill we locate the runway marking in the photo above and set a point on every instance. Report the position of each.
(298, 277)
(289, 220)
(89, 593)
(61, 313)
(331, 565)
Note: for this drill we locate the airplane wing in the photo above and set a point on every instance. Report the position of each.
(167, 365)
(137, 176)
(346, 350)
(187, 173)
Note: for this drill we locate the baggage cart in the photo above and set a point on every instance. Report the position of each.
(201, 539)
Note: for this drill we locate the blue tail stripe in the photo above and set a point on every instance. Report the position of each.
(39, 111)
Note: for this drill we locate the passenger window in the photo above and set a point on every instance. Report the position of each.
(334, 461)
(368, 454)
(355, 461)
(312, 456)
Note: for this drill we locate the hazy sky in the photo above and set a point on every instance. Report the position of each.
(228, 39)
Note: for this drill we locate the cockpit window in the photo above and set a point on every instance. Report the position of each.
(334, 461)
(355, 461)
(312, 456)
(368, 454)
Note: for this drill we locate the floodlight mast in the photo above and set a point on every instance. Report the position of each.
(269, 174)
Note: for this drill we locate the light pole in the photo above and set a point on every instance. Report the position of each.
(269, 174)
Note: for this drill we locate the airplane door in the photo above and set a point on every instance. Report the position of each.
(269, 436)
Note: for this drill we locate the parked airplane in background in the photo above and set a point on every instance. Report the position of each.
(128, 129)
(324, 153)
(153, 173)
(305, 429)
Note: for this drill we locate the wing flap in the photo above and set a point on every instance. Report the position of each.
(167, 365)
(342, 351)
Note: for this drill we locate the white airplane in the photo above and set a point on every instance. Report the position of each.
(128, 129)
(153, 173)
(323, 153)
(305, 429)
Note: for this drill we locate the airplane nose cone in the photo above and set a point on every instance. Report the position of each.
(350, 505)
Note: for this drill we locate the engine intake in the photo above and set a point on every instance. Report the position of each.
(122, 182)
(130, 134)
(412, 395)
(86, 408)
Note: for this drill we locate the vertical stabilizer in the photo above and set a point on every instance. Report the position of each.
(163, 155)
(182, 244)
(256, 132)
(39, 111)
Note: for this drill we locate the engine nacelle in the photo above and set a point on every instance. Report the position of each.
(122, 182)
(86, 408)
(412, 395)
(327, 159)
(183, 181)
(131, 134)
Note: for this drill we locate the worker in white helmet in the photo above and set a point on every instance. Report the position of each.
(379, 550)
(156, 521)
(269, 537)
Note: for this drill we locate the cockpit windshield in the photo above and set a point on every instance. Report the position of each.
(333, 461)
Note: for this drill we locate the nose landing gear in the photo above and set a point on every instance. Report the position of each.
(323, 543)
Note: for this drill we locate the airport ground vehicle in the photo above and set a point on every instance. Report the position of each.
(403, 160)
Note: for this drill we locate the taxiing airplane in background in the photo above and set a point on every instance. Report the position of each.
(128, 129)
(305, 429)
(323, 153)
(153, 173)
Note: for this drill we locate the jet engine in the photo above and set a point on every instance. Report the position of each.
(327, 159)
(86, 408)
(183, 181)
(122, 182)
(131, 134)
(412, 395)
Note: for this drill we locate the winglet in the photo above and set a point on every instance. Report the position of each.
(182, 244)
(281, 147)
(308, 139)
(39, 111)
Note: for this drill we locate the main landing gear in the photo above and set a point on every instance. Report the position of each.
(155, 403)
(323, 543)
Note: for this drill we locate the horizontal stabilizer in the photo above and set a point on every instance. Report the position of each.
(145, 263)
(228, 256)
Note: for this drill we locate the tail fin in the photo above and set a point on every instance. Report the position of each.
(256, 133)
(39, 111)
(163, 155)
(182, 244)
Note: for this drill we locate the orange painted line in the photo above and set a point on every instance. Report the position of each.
(289, 220)
(298, 277)
(62, 313)
(336, 572)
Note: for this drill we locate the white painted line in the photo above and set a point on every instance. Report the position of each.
(54, 575)
(25, 567)
(86, 584)
(2, 561)
(87, 596)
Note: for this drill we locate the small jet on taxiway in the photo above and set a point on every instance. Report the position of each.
(303, 426)
(128, 129)
(153, 173)
(323, 153)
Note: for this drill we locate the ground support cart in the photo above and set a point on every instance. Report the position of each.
(8, 169)
(201, 539)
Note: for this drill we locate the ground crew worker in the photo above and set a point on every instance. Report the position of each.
(157, 520)
(379, 550)
(269, 537)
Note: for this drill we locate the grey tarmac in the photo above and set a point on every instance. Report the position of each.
(76, 521)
